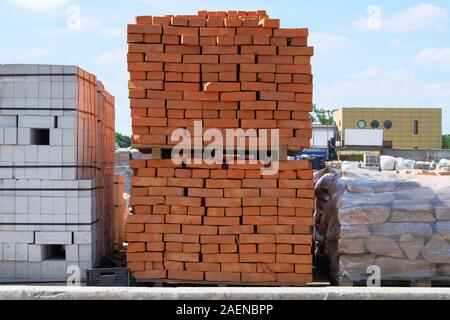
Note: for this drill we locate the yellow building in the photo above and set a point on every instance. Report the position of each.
(404, 128)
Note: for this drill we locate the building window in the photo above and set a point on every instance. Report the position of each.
(416, 127)
(361, 124)
(40, 137)
(388, 124)
(375, 124)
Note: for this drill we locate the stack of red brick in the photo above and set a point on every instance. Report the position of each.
(231, 69)
(220, 223)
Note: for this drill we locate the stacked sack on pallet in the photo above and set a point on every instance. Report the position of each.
(397, 222)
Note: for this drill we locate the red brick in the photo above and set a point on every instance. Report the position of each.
(150, 274)
(185, 275)
(218, 239)
(276, 229)
(223, 202)
(181, 238)
(270, 23)
(267, 248)
(221, 86)
(260, 50)
(155, 246)
(173, 265)
(256, 220)
(162, 228)
(186, 183)
(202, 230)
(238, 96)
(220, 184)
(294, 258)
(209, 248)
(221, 221)
(217, 31)
(184, 201)
(145, 219)
(183, 219)
(182, 256)
(221, 257)
(303, 268)
(256, 238)
(203, 267)
(136, 247)
(223, 276)
(181, 21)
(136, 266)
(290, 33)
(144, 256)
(135, 227)
(181, 67)
(257, 257)
(254, 31)
(141, 28)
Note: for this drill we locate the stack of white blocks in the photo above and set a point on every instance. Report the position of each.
(50, 215)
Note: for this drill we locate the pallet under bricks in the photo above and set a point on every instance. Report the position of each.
(229, 69)
(221, 223)
(57, 162)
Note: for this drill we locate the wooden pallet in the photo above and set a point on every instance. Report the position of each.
(178, 283)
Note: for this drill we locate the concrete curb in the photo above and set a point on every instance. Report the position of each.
(244, 293)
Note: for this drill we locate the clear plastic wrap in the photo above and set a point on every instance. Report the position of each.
(395, 221)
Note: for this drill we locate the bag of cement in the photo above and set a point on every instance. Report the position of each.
(404, 164)
(387, 163)
(397, 223)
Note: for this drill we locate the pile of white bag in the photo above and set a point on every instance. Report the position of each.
(398, 222)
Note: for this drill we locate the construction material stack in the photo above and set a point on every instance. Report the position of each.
(392, 224)
(221, 222)
(57, 161)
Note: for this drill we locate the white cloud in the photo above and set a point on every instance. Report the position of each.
(39, 5)
(434, 57)
(112, 32)
(325, 43)
(387, 88)
(396, 43)
(111, 58)
(421, 17)
(35, 53)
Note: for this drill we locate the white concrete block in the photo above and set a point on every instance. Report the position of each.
(21, 252)
(20, 102)
(7, 270)
(59, 206)
(54, 269)
(70, 90)
(56, 154)
(45, 89)
(53, 237)
(73, 70)
(44, 103)
(72, 253)
(35, 253)
(82, 237)
(32, 103)
(6, 173)
(34, 270)
(9, 252)
(32, 153)
(7, 89)
(19, 154)
(47, 205)
(32, 89)
(66, 122)
(56, 173)
(21, 205)
(7, 102)
(44, 154)
(56, 103)
(16, 237)
(37, 122)
(24, 136)
(19, 89)
(8, 121)
(2, 134)
(72, 205)
(85, 252)
(34, 205)
(10, 135)
(57, 90)
(69, 173)
(57, 69)
(22, 270)
(1, 252)
(69, 137)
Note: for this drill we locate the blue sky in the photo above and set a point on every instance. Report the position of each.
(368, 53)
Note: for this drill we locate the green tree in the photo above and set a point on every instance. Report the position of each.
(321, 115)
(122, 140)
(446, 141)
